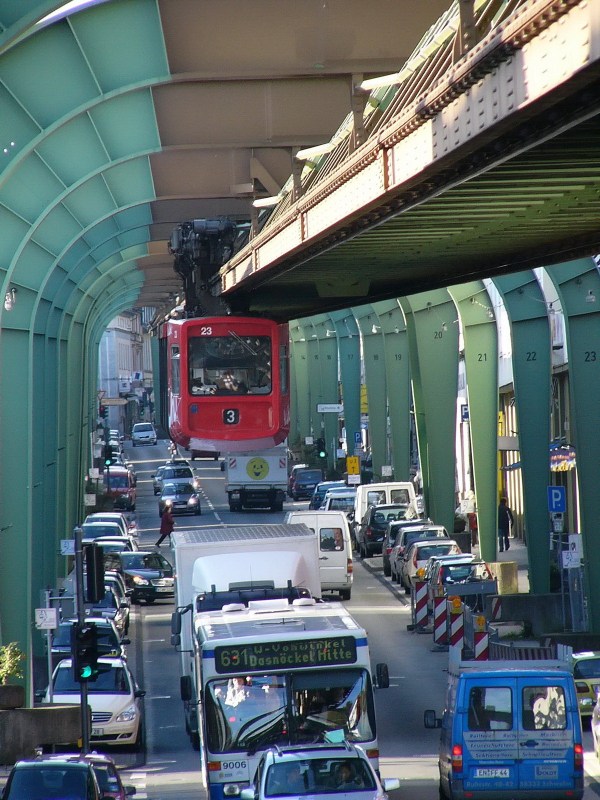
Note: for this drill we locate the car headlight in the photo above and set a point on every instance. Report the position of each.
(139, 581)
(193, 501)
(127, 715)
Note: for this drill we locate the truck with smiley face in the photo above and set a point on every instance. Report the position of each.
(256, 480)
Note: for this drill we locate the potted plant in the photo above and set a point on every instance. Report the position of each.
(11, 695)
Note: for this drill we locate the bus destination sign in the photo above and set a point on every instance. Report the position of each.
(285, 655)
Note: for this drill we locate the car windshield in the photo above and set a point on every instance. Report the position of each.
(110, 680)
(414, 536)
(460, 573)
(48, 780)
(318, 776)
(385, 515)
(142, 427)
(426, 551)
(587, 668)
(96, 529)
(248, 713)
(341, 503)
(144, 561)
(309, 476)
(177, 472)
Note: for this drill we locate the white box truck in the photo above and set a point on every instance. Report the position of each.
(256, 480)
(219, 566)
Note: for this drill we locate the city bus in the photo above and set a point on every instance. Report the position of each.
(278, 673)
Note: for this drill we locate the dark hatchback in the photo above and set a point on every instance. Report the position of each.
(305, 482)
(60, 778)
(182, 498)
(148, 574)
(371, 531)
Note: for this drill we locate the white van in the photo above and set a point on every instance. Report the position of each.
(375, 494)
(335, 548)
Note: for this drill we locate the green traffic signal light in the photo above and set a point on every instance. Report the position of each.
(85, 673)
(84, 651)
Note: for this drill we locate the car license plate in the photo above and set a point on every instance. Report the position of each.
(164, 589)
(492, 772)
(97, 731)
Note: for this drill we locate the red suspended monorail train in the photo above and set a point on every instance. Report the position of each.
(225, 383)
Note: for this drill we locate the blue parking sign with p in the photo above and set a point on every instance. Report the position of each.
(557, 499)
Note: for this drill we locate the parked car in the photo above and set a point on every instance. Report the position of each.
(148, 575)
(319, 771)
(586, 672)
(316, 501)
(105, 770)
(111, 607)
(417, 556)
(110, 642)
(97, 531)
(339, 500)
(143, 433)
(128, 526)
(55, 777)
(157, 480)
(370, 533)
(447, 574)
(305, 481)
(182, 498)
(114, 697)
(393, 537)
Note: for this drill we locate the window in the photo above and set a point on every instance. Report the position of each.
(331, 539)
(490, 708)
(231, 364)
(175, 370)
(399, 496)
(544, 708)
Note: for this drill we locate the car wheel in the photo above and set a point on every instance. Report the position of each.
(195, 740)
(407, 589)
(387, 570)
(345, 594)
(139, 744)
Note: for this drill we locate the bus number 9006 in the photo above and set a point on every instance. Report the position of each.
(234, 765)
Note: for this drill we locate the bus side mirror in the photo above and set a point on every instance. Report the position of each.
(383, 676)
(176, 622)
(175, 639)
(185, 688)
(222, 466)
(430, 720)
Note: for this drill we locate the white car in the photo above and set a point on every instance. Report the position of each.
(321, 772)
(114, 697)
(419, 553)
(143, 433)
(128, 526)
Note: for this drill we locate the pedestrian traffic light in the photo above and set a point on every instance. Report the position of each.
(104, 412)
(321, 451)
(84, 651)
(108, 454)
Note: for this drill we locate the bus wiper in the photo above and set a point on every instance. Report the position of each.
(244, 344)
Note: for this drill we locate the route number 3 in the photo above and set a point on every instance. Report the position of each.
(231, 416)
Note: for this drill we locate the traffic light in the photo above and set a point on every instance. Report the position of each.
(104, 412)
(84, 651)
(94, 572)
(321, 451)
(108, 455)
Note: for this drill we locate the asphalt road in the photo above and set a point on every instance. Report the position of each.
(170, 768)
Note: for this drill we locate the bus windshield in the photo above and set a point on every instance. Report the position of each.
(229, 364)
(247, 713)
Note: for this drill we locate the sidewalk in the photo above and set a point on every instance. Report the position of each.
(518, 554)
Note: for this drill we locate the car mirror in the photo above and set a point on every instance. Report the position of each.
(247, 794)
(129, 790)
(139, 693)
(390, 784)
(430, 720)
(125, 641)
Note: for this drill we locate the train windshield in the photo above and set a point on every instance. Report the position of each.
(230, 364)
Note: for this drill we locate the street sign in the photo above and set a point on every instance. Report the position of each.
(308, 440)
(353, 465)
(329, 408)
(557, 499)
(558, 522)
(357, 437)
(386, 471)
(353, 479)
(464, 412)
(46, 619)
(67, 547)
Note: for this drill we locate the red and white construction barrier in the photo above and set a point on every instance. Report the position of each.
(456, 614)
(496, 608)
(421, 604)
(440, 620)
(481, 639)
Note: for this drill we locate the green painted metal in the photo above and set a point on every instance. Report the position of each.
(575, 281)
(433, 346)
(328, 379)
(299, 363)
(348, 339)
(317, 422)
(397, 370)
(375, 380)
(481, 364)
(532, 371)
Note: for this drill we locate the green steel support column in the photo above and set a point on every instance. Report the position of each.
(397, 371)
(317, 421)
(578, 284)
(532, 371)
(294, 432)
(481, 364)
(156, 373)
(348, 338)
(328, 365)
(434, 350)
(300, 366)
(374, 361)
(16, 608)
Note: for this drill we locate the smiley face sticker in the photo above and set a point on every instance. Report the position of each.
(257, 468)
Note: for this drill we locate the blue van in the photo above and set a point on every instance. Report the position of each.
(510, 730)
